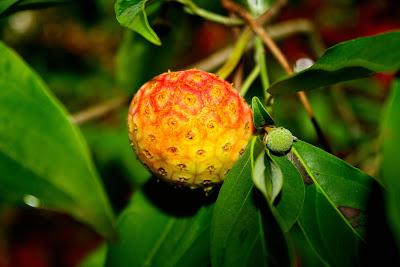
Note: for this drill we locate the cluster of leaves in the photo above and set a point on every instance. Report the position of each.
(271, 210)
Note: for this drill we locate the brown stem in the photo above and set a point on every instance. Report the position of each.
(238, 76)
(280, 57)
(288, 28)
(272, 12)
(99, 111)
(277, 31)
(258, 29)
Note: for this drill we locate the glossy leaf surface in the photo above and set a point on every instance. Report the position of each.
(390, 165)
(353, 59)
(282, 187)
(326, 230)
(240, 233)
(44, 160)
(290, 202)
(261, 116)
(132, 14)
(344, 184)
(150, 236)
(332, 217)
(95, 258)
(5, 4)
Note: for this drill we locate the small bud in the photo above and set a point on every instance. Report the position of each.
(279, 140)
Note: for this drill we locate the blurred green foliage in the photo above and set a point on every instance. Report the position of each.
(39, 128)
(307, 207)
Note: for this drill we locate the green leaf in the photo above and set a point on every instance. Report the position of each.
(257, 7)
(288, 206)
(306, 254)
(390, 164)
(258, 175)
(336, 200)
(267, 177)
(261, 116)
(132, 14)
(280, 177)
(5, 4)
(243, 232)
(149, 236)
(349, 60)
(96, 258)
(43, 157)
(345, 185)
(327, 232)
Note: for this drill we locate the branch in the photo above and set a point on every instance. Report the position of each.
(277, 31)
(99, 111)
(257, 28)
(244, 39)
(238, 76)
(277, 53)
(237, 53)
(249, 80)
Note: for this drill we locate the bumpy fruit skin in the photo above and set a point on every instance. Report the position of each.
(279, 140)
(189, 127)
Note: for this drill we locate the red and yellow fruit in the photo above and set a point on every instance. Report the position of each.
(189, 127)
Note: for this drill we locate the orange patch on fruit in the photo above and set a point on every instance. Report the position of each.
(189, 127)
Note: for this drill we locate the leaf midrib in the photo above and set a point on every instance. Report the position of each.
(312, 246)
(150, 256)
(310, 173)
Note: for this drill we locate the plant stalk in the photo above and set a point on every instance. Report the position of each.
(280, 57)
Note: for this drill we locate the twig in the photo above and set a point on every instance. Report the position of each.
(249, 80)
(337, 91)
(288, 28)
(277, 32)
(99, 111)
(260, 60)
(238, 76)
(245, 38)
(236, 55)
(257, 28)
(272, 12)
(277, 53)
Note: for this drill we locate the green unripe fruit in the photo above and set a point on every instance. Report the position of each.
(279, 140)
